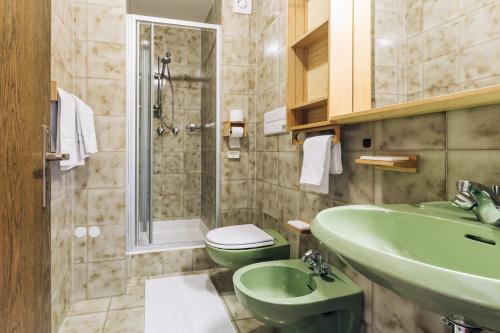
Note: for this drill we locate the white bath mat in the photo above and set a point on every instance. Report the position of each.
(185, 304)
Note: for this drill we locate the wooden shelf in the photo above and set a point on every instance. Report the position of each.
(409, 166)
(301, 231)
(315, 103)
(316, 126)
(313, 36)
(456, 101)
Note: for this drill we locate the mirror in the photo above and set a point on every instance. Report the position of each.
(428, 48)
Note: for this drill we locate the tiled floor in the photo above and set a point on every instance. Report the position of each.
(125, 314)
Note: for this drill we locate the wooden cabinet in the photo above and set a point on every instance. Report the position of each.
(332, 77)
(320, 56)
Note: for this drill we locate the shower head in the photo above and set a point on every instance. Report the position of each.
(165, 61)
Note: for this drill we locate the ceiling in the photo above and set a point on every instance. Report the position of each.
(190, 10)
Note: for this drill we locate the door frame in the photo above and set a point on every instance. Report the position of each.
(131, 126)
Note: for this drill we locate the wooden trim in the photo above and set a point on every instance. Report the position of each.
(456, 101)
(362, 56)
(340, 57)
(53, 91)
(311, 37)
(316, 126)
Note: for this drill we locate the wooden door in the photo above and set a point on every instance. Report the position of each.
(24, 108)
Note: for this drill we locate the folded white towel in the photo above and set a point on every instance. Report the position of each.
(316, 164)
(336, 159)
(67, 136)
(86, 128)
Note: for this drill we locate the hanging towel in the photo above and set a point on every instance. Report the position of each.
(67, 136)
(86, 128)
(336, 159)
(316, 164)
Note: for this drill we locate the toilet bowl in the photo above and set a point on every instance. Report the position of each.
(241, 245)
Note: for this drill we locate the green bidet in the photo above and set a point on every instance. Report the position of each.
(287, 295)
(238, 258)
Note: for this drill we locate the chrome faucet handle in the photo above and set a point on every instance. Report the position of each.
(464, 200)
(495, 189)
(463, 185)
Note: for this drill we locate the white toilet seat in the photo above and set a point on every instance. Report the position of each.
(245, 236)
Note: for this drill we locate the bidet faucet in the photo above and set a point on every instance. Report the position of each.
(315, 259)
(482, 200)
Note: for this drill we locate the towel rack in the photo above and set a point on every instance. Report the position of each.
(298, 136)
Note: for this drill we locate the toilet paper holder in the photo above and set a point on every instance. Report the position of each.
(226, 129)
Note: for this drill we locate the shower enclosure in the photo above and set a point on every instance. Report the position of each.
(173, 136)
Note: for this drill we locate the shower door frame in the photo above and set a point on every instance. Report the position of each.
(131, 125)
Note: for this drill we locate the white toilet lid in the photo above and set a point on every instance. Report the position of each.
(243, 236)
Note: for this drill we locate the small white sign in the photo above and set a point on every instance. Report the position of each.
(233, 154)
(242, 6)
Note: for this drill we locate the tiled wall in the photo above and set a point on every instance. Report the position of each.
(62, 183)
(177, 159)
(238, 92)
(431, 48)
(450, 146)
(99, 263)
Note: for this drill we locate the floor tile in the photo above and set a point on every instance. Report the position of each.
(88, 323)
(125, 321)
(133, 298)
(237, 310)
(254, 326)
(89, 306)
(222, 278)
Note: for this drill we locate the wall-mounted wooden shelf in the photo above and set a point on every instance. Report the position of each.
(313, 36)
(296, 229)
(315, 103)
(456, 101)
(409, 166)
(226, 128)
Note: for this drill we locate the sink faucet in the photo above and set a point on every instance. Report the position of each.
(482, 200)
(315, 259)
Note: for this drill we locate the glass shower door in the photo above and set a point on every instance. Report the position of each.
(144, 225)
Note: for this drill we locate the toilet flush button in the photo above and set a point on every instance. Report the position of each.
(94, 232)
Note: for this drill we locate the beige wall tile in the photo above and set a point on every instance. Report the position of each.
(476, 128)
(423, 132)
(110, 244)
(106, 60)
(105, 24)
(106, 278)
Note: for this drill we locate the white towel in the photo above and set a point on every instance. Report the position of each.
(336, 159)
(86, 128)
(316, 164)
(67, 136)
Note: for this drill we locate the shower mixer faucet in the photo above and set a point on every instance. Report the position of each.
(158, 107)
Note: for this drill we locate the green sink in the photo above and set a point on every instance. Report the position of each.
(432, 253)
(286, 294)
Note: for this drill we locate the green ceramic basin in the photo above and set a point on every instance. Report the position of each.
(432, 253)
(285, 294)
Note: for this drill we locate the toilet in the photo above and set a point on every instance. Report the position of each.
(241, 245)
